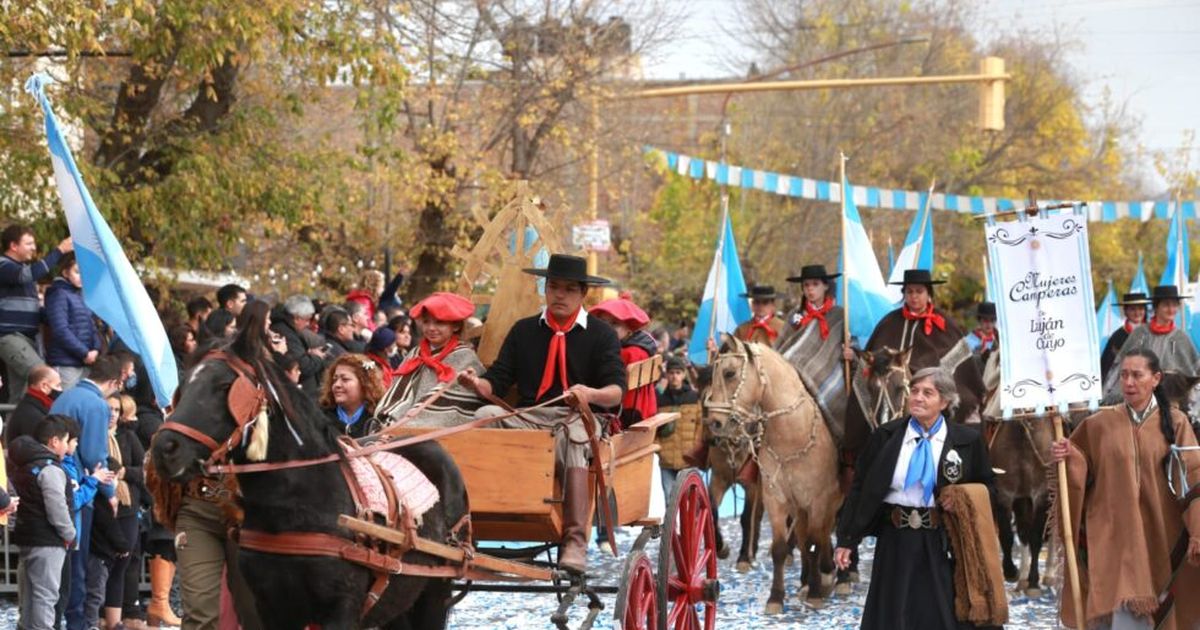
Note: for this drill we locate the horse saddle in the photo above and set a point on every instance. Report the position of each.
(388, 486)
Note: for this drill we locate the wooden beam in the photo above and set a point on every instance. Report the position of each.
(818, 84)
(446, 552)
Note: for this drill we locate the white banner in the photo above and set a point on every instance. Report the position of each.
(593, 236)
(1048, 352)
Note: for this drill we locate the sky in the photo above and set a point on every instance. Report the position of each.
(1146, 52)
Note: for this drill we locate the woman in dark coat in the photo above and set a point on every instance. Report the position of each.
(904, 466)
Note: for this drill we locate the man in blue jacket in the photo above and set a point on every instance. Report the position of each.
(20, 311)
(87, 404)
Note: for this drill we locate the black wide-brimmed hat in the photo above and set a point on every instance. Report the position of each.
(813, 272)
(986, 309)
(1167, 292)
(760, 292)
(1134, 299)
(565, 267)
(918, 276)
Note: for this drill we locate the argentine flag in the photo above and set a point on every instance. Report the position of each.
(1177, 273)
(917, 252)
(1108, 316)
(1139, 284)
(864, 289)
(722, 297)
(111, 288)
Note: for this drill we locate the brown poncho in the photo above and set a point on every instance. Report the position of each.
(1118, 492)
(979, 596)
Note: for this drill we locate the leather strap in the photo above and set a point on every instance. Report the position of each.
(191, 433)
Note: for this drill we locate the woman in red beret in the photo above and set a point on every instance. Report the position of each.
(430, 368)
(636, 345)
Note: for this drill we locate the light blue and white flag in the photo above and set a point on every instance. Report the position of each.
(1177, 273)
(1108, 315)
(917, 252)
(1139, 284)
(865, 291)
(111, 288)
(722, 297)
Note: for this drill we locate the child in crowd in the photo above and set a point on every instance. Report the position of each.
(109, 546)
(44, 529)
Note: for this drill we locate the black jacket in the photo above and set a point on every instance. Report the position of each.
(593, 359)
(365, 425)
(133, 456)
(108, 540)
(862, 513)
(30, 410)
(311, 366)
(36, 525)
(676, 397)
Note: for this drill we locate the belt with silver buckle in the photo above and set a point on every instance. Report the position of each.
(906, 517)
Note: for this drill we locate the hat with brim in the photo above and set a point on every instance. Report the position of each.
(566, 267)
(760, 292)
(986, 309)
(622, 310)
(446, 307)
(1134, 299)
(1167, 292)
(813, 272)
(918, 276)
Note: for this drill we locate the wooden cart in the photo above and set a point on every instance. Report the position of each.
(514, 497)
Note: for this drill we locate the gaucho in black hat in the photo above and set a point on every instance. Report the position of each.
(930, 336)
(815, 342)
(1176, 355)
(984, 338)
(765, 326)
(559, 350)
(1136, 307)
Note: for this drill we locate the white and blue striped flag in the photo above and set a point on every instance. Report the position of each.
(864, 287)
(722, 297)
(917, 252)
(1139, 284)
(111, 288)
(1108, 315)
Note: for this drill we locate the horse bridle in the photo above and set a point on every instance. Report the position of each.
(883, 402)
(245, 400)
(735, 411)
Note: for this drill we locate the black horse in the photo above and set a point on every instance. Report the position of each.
(293, 591)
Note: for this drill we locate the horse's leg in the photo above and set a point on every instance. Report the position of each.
(429, 612)
(1004, 526)
(1034, 537)
(1023, 515)
(751, 522)
(780, 548)
(717, 485)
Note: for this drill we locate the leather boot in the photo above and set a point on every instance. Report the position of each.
(748, 475)
(158, 612)
(698, 456)
(573, 555)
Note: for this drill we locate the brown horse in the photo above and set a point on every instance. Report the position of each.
(733, 448)
(753, 386)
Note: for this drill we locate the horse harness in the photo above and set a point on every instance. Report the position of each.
(246, 401)
(757, 417)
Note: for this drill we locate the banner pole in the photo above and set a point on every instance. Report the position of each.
(924, 223)
(1067, 533)
(846, 288)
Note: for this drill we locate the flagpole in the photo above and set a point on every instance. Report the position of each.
(846, 288)
(924, 223)
(712, 320)
(1180, 275)
(987, 279)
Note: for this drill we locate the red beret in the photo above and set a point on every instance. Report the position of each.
(447, 307)
(624, 311)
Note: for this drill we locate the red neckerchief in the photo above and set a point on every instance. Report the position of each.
(931, 318)
(1161, 330)
(818, 314)
(425, 357)
(37, 393)
(765, 325)
(556, 353)
(1129, 326)
(985, 340)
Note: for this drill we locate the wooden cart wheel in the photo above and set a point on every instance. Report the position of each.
(637, 600)
(687, 558)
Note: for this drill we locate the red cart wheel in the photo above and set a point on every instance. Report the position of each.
(687, 558)
(637, 600)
